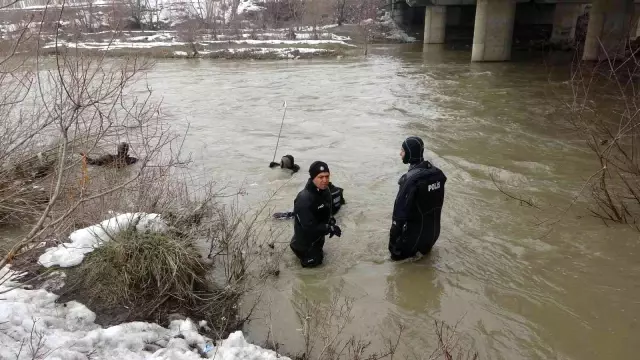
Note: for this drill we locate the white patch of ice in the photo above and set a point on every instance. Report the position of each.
(279, 42)
(113, 45)
(67, 331)
(85, 240)
(156, 37)
(42, 4)
(285, 53)
(248, 6)
(310, 28)
(341, 38)
(395, 33)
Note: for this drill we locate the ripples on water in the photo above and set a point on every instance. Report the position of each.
(516, 295)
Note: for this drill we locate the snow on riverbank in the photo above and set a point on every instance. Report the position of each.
(164, 40)
(270, 53)
(394, 33)
(114, 45)
(33, 326)
(85, 240)
(279, 42)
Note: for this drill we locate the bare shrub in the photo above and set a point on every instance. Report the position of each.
(52, 110)
(323, 327)
(604, 110)
(323, 335)
(366, 13)
(449, 347)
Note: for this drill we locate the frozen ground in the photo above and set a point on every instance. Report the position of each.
(34, 326)
(94, 30)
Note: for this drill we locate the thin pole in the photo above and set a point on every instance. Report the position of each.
(282, 123)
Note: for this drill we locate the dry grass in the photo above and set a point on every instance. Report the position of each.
(148, 276)
(142, 268)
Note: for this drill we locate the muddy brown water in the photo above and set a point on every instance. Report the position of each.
(514, 289)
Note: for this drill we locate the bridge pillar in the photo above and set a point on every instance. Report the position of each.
(608, 30)
(435, 21)
(565, 17)
(493, 30)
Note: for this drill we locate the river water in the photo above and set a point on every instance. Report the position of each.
(515, 290)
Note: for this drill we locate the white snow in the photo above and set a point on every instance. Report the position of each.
(113, 45)
(285, 53)
(68, 332)
(42, 4)
(180, 53)
(283, 42)
(248, 6)
(85, 240)
(156, 37)
(310, 28)
(104, 46)
(395, 33)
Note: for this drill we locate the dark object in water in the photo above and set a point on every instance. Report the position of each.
(287, 162)
(121, 159)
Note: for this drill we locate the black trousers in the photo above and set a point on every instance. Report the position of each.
(404, 248)
(310, 258)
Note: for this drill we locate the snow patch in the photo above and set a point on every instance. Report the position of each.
(285, 53)
(180, 53)
(249, 6)
(116, 44)
(310, 28)
(395, 33)
(278, 42)
(85, 240)
(156, 37)
(68, 331)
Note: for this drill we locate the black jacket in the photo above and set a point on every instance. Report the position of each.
(417, 209)
(312, 210)
(337, 198)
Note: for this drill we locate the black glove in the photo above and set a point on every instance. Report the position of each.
(274, 164)
(334, 230)
(332, 221)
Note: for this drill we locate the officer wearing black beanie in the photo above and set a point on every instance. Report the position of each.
(313, 217)
(416, 212)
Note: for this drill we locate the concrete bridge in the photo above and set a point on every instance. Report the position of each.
(609, 24)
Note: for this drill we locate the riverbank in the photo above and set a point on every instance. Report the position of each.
(34, 325)
(180, 32)
(169, 44)
(44, 292)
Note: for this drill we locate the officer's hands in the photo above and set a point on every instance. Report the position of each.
(334, 230)
(273, 164)
(395, 231)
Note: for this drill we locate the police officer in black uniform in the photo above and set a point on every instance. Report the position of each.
(416, 212)
(313, 217)
(337, 200)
